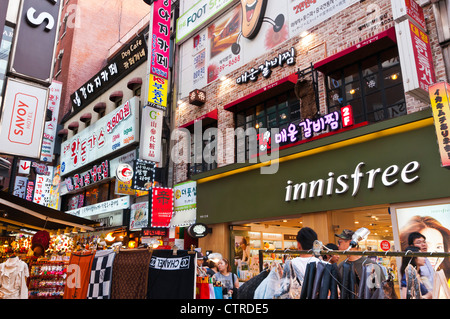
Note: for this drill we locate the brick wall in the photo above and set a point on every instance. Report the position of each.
(96, 27)
(351, 26)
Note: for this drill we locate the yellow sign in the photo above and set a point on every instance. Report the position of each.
(441, 114)
(157, 90)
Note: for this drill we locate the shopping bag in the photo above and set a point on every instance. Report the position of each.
(218, 293)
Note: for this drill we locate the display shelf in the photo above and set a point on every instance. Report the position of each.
(47, 279)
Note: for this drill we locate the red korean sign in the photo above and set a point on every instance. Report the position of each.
(162, 207)
(415, 12)
(423, 56)
(160, 42)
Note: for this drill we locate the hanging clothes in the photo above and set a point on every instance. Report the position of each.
(308, 282)
(13, 279)
(101, 274)
(130, 275)
(172, 276)
(330, 280)
(348, 286)
(78, 276)
(247, 290)
(269, 286)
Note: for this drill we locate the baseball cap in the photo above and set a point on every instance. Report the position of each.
(346, 234)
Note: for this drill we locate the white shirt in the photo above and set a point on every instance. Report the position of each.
(13, 283)
(300, 264)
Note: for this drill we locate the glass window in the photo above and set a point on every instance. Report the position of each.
(372, 86)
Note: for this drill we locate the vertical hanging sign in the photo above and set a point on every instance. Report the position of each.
(441, 114)
(48, 141)
(160, 41)
(151, 132)
(159, 48)
(162, 207)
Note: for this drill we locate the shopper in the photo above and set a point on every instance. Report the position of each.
(418, 240)
(305, 240)
(211, 267)
(417, 263)
(228, 279)
(332, 259)
(357, 261)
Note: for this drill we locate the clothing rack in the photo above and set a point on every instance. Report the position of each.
(407, 253)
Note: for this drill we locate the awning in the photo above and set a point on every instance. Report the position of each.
(134, 82)
(99, 107)
(17, 211)
(86, 117)
(206, 119)
(114, 96)
(74, 125)
(358, 51)
(263, 94)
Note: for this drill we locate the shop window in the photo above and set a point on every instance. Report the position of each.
(272, 113)
(373, 87)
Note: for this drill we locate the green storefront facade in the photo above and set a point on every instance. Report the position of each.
(386, 163)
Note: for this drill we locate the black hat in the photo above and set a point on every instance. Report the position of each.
(346, 234)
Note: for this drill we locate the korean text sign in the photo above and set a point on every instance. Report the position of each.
(151, 132)
(112, 132)
(160, 42)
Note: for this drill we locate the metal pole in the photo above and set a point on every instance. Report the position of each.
(356, 253)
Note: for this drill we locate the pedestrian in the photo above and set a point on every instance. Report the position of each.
(332, 259)
(356, 260)
(211, 267)
(418, 240)
(411, 285)
(228, 279)
(305, 240)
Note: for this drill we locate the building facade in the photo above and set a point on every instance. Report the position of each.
(316, 114)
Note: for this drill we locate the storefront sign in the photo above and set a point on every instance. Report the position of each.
(30, 191)
(439, 96)
(124, 172)
(96, 174)
(151, 134)
(157, 92)
(20, 186)
(409, 9)
(42, 188)
(265, 69)
(144, 175)
(48, 141)
(111, 219)
(23, 119)
(101, 208)
(185, 195)
(341, 184)
(198, 230)
(139, 216)
(54, 196)
(120, 65)
(416, 59)
(162, 207)
(34, 47)
(160, 41)
(151, 232)
(196, 16)
(112, 132)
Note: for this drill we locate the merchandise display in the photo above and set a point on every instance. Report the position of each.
(13, 279)
(47, 280)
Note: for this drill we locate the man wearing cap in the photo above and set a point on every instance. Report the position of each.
(357, 261)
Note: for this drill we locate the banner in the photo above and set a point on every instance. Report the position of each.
(151, 133)
(440, 106)
(144, 175)
(162, 206)
(139, 216)
(48, 141)
(42, 188)
(160, 41)
(23, 119)
(20, 187)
